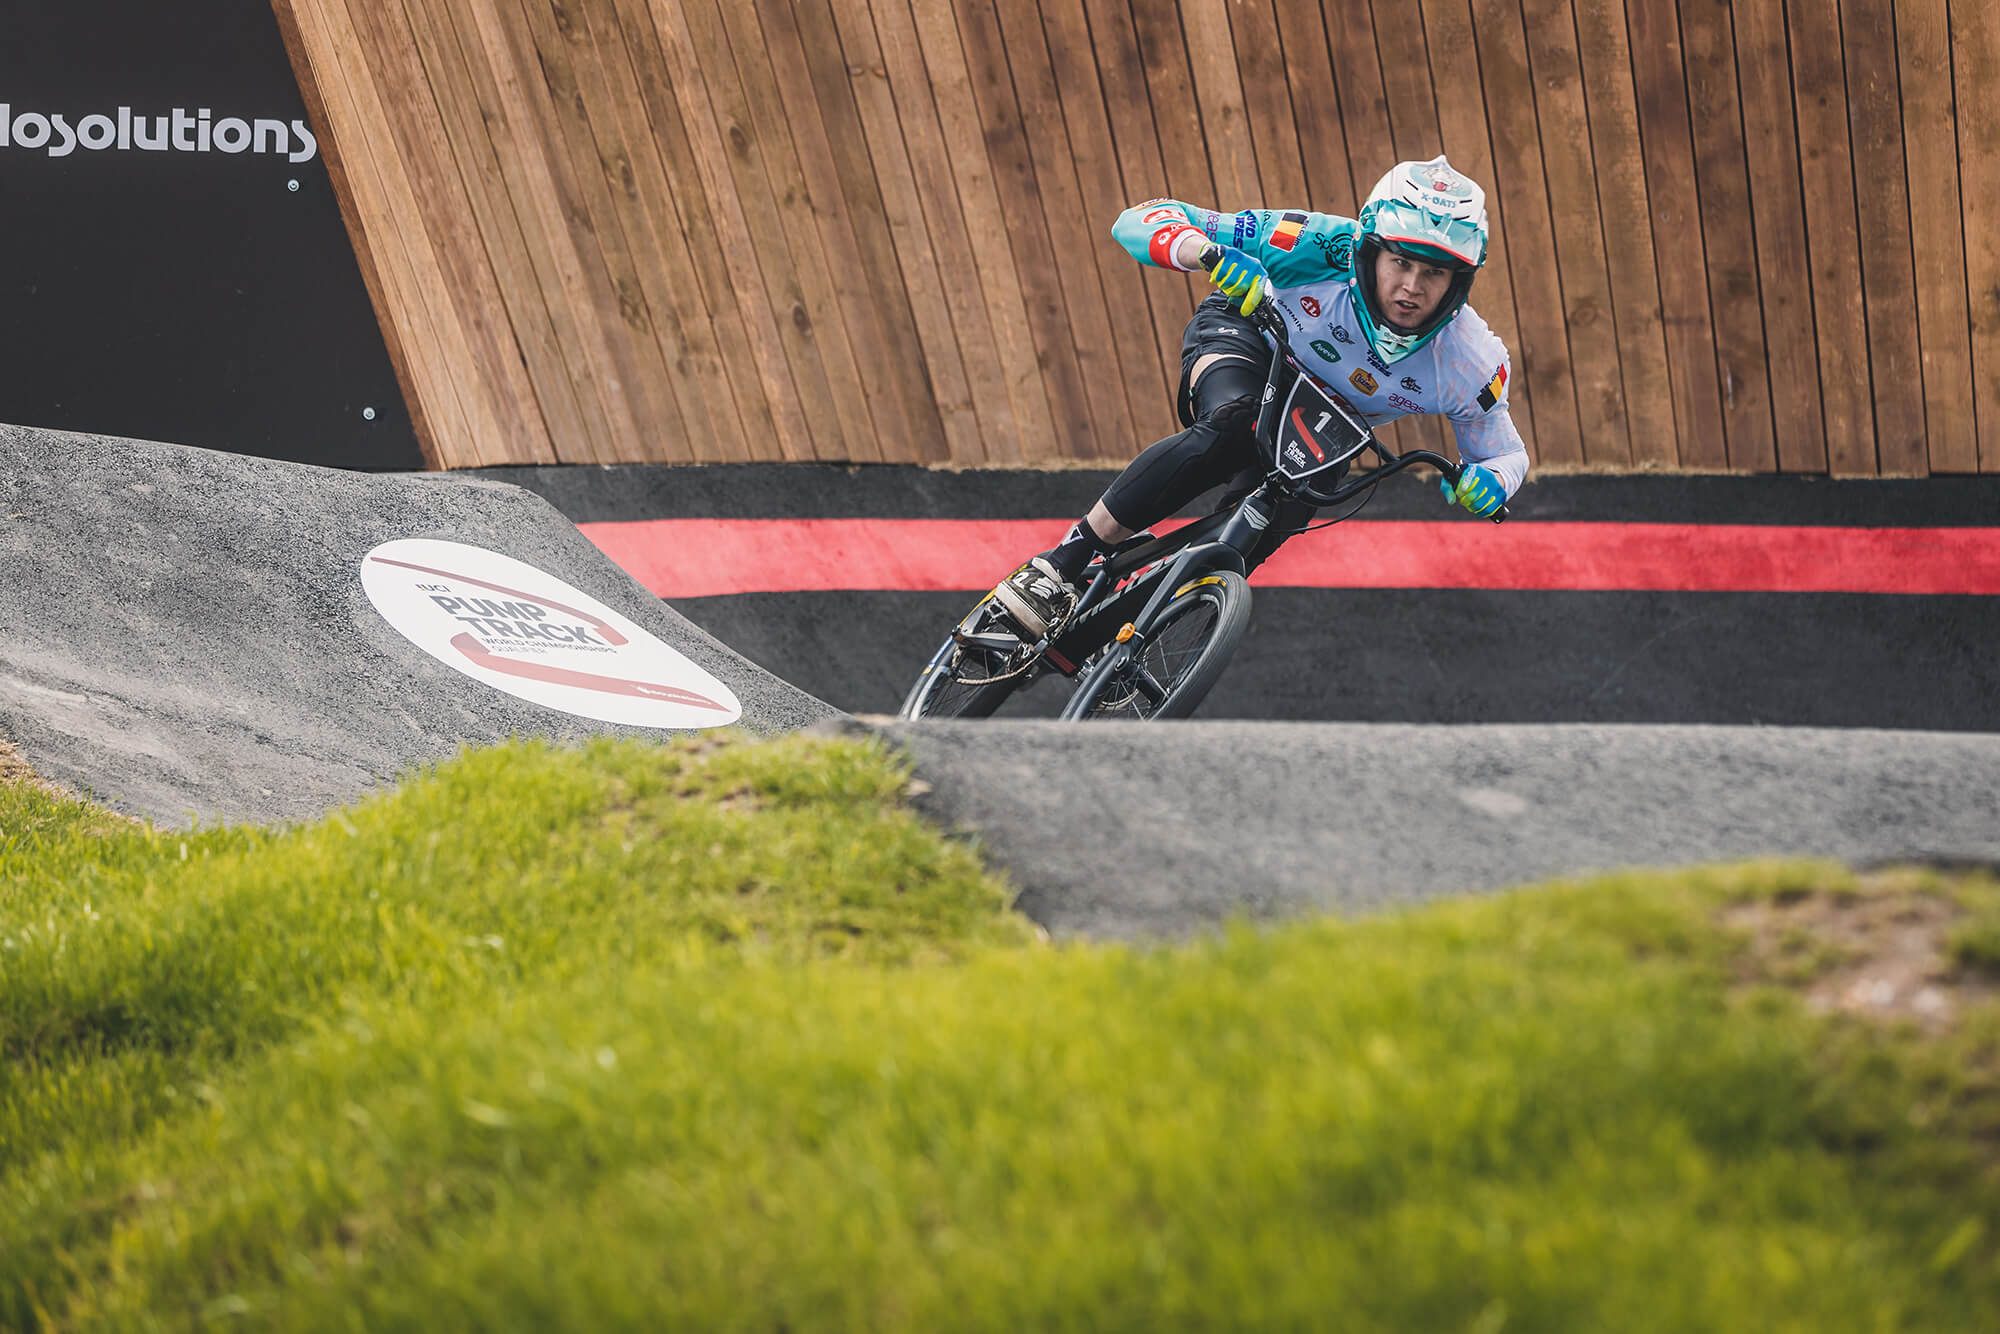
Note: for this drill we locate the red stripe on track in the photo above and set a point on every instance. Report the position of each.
(684, 558)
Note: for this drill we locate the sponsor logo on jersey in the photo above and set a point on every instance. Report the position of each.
(1340, 334)
(1326, 350)
(1310, 305)
(1495, 387)
(1338, 248)
(1362, 380)
(1397, 400)
(1161, 248)
(1148, 203)
(1377, 362)
(1410, 383)
(1286, 234)
(1246, 227)
(1160, 215)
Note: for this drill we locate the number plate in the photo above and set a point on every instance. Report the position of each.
(1316, 432)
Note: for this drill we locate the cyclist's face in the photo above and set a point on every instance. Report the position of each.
(1408, 290)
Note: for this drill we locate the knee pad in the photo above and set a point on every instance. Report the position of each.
(1232, 417)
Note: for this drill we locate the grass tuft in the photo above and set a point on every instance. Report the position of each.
(718, 1035)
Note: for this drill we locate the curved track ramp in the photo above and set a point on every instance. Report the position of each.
(186, 636)
(1156, 830)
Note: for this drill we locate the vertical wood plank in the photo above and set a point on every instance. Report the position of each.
(620, 305)
(993, 243)
(785, 224)
(1267, 105)
(537, 171)
(817, 312)
(869, 246)
(923, 138)
(1784, 282)
(675, 316)
(1826, 168)
(1357, 78)
(1975, 49)
(1666, 140)
(1077, 430)
(531, 323)
(1462, 127)
(709, 385)
(1329, 175)
(1073, 72)
(382, 195)
(1888, 271)
(684, 227)
(1937, 235)
(1224, 119)
(916, 253)
(1543, 356)
(509, 420)
(1730, 247)
(1142, 174)
(1625, 212)
(889, 361)
(1572, 184)
(1177, 117)
(790, 373)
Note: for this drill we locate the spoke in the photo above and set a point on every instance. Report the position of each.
(1148, 685)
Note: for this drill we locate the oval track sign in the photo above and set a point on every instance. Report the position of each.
(528, 633)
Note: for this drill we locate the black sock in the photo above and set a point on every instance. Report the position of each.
(1075, 550)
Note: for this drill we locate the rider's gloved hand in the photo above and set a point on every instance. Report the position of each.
(1478, 489)
(1237, 274)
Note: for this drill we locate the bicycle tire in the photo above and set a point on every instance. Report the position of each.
(1186, 650)
(953, 685)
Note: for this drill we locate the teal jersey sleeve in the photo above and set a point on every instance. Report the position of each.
(1294, 246)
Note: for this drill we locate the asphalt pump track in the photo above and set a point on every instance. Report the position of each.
(188, 638)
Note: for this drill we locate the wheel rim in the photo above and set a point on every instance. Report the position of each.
(960, 678)
(1149, 676)
(950, 693)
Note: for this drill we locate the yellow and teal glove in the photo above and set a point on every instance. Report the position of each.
(1239, 275)
(1478, 490)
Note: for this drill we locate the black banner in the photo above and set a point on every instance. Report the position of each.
(172, 260)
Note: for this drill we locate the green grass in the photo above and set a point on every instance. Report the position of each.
(719, 1036)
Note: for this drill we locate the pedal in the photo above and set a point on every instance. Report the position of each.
(989, 643)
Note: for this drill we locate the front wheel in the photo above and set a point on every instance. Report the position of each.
(967, 679)
(1181, 658)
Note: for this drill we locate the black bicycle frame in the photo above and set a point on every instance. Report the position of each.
(1221, 540)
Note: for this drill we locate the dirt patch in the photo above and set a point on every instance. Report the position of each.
(1878, 952)
(15, 771)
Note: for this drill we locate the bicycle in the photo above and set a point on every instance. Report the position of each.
(1161, 616)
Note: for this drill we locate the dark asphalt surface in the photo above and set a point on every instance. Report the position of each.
(1463, 655)
(185, 636)
(1153, 831)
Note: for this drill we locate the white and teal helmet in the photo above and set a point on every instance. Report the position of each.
(1434, 214)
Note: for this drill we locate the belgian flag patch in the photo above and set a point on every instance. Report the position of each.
(1286, 234)
(1495, 387)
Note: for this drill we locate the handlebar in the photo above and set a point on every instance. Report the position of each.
(1266, 318)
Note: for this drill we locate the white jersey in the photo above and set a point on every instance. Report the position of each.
(1461, 374)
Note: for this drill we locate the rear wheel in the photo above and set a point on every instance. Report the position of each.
(1183, 656)
(967, 676)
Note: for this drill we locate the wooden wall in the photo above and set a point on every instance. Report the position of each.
(1730, 234)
